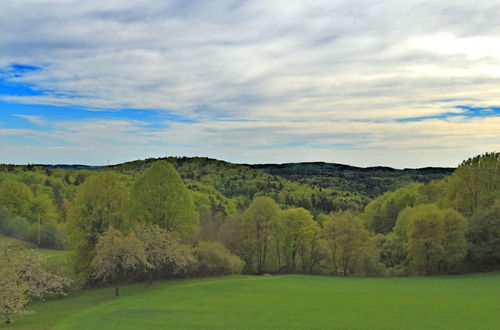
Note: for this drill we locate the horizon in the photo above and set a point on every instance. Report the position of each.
(402, 85)
(226, 161)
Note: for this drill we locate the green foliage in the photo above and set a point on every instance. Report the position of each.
(382, 213)
(475, 184)
(160, 197)
(345, 238)
(297, 230)
(240, 207)
(242, 183)
(392, 251)
(371, 181)
(100, 202)
(436, 238)
(16, 197)
(258, 223)
(17, 227)
(484, 238)
(213, 259)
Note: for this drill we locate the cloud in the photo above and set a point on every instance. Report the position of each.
(306, 75)
(37, 120)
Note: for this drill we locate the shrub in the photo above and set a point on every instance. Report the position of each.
(17, 227)
(214, 259)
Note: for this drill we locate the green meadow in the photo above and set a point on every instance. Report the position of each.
(279, 302)
(54, 259)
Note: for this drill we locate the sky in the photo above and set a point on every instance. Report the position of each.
(366, 83)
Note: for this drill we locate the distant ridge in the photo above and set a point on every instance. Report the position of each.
(325, 167)
(368, 181)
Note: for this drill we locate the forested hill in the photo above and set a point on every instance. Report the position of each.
(314, 185)
(242, 183)
(370, 181)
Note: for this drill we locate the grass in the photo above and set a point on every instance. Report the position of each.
(55, 259)
(280, 302)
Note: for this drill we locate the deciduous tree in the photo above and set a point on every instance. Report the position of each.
(162, 250)
(345, 238)
(116, 255)
(22, 278)
(160, 197)
(257, 230)
(101, 201)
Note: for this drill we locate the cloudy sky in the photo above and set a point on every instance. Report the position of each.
(398, 83)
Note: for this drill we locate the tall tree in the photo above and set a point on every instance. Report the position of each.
(436, 238)
(160, 197)
(475, 184)
(100, 202)
(257, 226)
(298, 228)
(345, 238)
(484, 238)
(16, 197)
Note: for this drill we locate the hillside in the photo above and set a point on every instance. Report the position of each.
(318, 187)
(369, 181)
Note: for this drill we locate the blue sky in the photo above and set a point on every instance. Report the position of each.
(359, 82)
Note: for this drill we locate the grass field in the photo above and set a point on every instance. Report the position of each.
(280, 302)
(55, 259)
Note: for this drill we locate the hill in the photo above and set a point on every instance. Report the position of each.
(318, 187)
(370, 181)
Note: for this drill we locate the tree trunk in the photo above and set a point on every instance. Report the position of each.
(150, 277)
(117, 291)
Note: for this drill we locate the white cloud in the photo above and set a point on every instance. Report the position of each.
(320, 72)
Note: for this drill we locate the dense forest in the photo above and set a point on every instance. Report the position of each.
(171, 217)
(369, 181)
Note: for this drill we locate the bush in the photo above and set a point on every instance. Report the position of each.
(17, 227)
(214, 259)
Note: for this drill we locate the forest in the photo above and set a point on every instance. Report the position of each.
(190, 217)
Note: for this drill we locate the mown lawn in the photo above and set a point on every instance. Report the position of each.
(280, 302)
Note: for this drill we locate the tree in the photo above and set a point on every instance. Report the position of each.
(257, 226)
(100, 202)
(484, 237)
(309, 249)
(298, 228)
(160, 197)
(23, 278)
(345, 239)
(475, 184)
(162, 250)
(392, 252)
(381, 214)
(436, 238)
(16, 197)
(117, 254)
